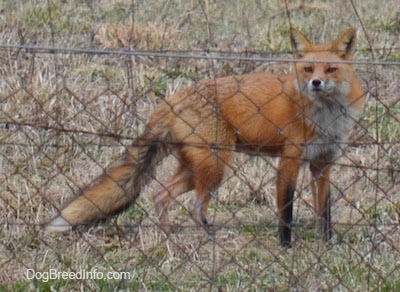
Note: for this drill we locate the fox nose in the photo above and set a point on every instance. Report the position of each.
(316, 82)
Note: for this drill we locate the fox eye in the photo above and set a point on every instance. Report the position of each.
(331, 69)
(308, 69)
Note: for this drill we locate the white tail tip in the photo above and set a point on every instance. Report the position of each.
(58, 224)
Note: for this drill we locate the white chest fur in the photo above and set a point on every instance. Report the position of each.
(331, 122)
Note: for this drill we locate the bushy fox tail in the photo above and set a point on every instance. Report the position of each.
(118, 188)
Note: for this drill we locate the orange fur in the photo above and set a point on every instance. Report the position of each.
(304, 117)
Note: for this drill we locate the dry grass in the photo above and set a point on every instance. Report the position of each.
(64, 117)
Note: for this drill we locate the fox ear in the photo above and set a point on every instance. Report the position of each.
(345, 44)
(300, 43)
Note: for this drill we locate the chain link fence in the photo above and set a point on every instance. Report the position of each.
(78, 83)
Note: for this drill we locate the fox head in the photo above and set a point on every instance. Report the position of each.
(318, 75)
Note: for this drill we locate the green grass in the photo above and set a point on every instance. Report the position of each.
(65, 117)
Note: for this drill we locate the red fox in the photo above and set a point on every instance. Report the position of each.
(303, 117)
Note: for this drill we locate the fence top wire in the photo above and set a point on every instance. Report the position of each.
(201, 55)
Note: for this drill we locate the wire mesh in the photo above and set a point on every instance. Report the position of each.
(79, 82)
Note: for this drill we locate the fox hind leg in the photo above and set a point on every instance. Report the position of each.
(180, 183)
(208, 175)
